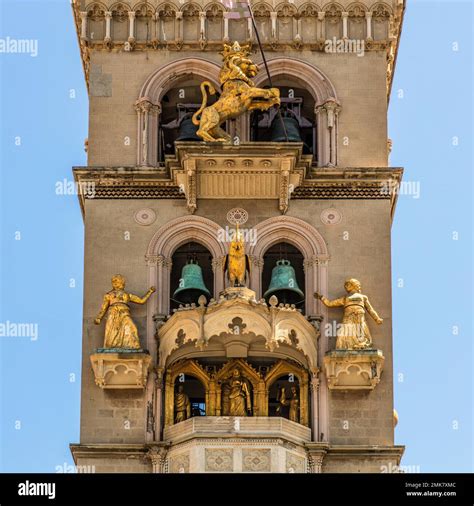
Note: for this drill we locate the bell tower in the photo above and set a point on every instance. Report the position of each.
(242, 209)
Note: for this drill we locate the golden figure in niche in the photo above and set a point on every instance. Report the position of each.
(354, 333)
(294, 413)
(236, 262)
(120, 330)
(293, 403)
(239, 94)
(182, 405)
(240, 402)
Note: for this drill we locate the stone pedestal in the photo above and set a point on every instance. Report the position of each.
(353, 369)
(120, 369)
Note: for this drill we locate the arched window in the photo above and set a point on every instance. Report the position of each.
(312, 88)
(186, 285)
(281, 261)
(143, 23)
(168, 97)
(120, 22)
(96, 23)
(178, 105)
(297, 110)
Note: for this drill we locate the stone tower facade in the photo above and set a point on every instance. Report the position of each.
(151, 201)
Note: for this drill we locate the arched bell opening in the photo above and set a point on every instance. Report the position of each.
(191, 274)
(284, 398)
(189, 398)
(296, 123)
(283, 274)
(178, 105)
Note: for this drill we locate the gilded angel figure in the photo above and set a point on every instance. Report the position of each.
(354, 333)
(120, 330)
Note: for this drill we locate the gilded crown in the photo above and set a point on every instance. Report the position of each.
(235, 50)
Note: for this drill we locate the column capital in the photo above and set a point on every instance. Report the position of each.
(321, 16)
(131, 14)
(108, 14)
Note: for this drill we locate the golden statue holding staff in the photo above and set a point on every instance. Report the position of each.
(120, 330)
(182, 405)
(239, 94)
(239, 395)
(354, 333)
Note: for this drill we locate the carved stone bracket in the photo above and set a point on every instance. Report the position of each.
(353, 369)
(121, 370)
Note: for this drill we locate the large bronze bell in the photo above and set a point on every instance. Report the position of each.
(187, 131)
(292, 129)
(191, 284)
(284, 285)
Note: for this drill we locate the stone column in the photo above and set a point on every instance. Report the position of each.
(314, 385)
(108, 17)
(83, 15)
(179, 20)
(202, 30)
(131, 29)
(331, 108)
(158, 402)
(322, 26)
(218, 275)
(157, 455)
(156, 19)
(226, 26)
(316, 454)
(297, 27)
(345, 15)
(273, 17)
(249, 29)
(368, 20)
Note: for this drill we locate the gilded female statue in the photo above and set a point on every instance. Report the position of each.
(239, 395)
(354, 333)
(120, 330)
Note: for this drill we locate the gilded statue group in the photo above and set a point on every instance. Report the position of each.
(238, 96)
(237, 400)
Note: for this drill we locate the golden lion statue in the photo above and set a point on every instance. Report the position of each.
(239, 94)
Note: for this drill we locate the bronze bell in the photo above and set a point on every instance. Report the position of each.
(187, 131)
(284, 285)
(191, 284)
(292, 129)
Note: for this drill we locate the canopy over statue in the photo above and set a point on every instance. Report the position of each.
(239, 94)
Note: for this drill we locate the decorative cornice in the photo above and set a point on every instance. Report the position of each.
(383, 10)
(373, 183)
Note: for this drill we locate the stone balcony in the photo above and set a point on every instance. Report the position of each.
(238, 427)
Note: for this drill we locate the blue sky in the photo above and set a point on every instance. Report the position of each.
(43, 124)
